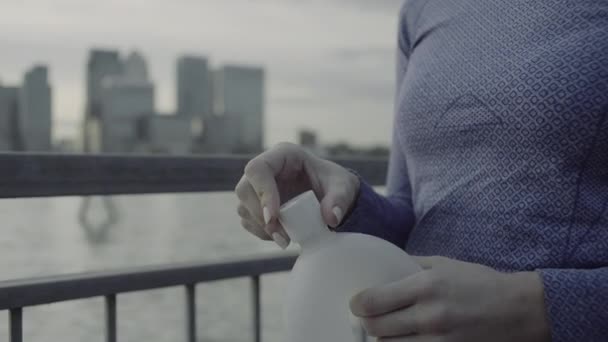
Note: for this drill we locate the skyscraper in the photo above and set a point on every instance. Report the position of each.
(221, 135)
(9, 128)
(123, 99)
(194, 88)
(102, 63)
(128, 94)
(239, 92)
(35, 110)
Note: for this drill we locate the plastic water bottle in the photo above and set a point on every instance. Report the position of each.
(332, 267)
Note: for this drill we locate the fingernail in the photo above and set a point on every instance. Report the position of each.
(267, 217)
(338, 212)
(280, 240)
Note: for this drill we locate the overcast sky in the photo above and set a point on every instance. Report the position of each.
(329, 63)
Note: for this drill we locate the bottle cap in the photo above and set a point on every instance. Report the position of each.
(301, 217)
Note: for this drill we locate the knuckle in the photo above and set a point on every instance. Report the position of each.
(435, 280)
(429, 283)
(340, 196)
(371, 326)
(286, 146)
(439, 320)
(252, 167)
(240, 191)
(351, 180)
(368, 303)
(246, 224)
(290, 150)
(242, 211)
(426, 279)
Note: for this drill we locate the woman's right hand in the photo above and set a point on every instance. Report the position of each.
(283, 172)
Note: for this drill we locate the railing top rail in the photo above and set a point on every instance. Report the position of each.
(45, 290)
(41, 175)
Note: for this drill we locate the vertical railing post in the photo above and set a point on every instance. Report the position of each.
(16, 325)
(257, 314)
(191, 312)
(111, 318)
(363, 334)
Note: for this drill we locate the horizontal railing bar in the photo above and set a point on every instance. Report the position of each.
(45, 290)
(42, 175)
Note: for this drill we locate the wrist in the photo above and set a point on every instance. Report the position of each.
(354, 181)
(528, 301)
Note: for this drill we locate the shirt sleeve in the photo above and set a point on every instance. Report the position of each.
(388, 217)
(577, 304)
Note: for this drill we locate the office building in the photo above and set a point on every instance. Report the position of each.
(239, 93)
(101, 64)
(194, 87)
(126, 97)
(221, 134)
(123, 99)
(35, 110)
(167, 134)
(9, 128)
(118, 93)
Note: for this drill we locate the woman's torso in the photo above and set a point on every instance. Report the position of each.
(502, 118)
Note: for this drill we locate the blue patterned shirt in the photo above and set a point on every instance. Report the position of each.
(500, 147)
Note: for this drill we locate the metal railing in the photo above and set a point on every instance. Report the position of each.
(42, 175)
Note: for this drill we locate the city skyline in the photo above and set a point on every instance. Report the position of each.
(319, 68)
(121, 116)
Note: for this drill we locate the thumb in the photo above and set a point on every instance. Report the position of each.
(336, 203)
(428, 262)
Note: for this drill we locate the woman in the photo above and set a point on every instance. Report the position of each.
(498, 175)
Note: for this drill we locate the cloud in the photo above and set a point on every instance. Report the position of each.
(386, 5)
(328, 61)
(357, 54)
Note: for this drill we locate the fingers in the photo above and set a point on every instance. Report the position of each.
(261, 172)
(390, 297)
(251, 209)
(419, 319)
(397, 323)
(415, 322)
(249, 200)
(252, 218)
(259, 186)
(428, 262)
(255, 229)
(287, 163)
(413, 338)
(338, 199)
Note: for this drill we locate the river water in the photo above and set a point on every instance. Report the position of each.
(44, 237)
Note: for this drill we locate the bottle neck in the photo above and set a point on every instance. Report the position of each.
(301, 218)
(313, 240)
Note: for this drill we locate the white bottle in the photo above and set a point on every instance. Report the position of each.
(332, 267)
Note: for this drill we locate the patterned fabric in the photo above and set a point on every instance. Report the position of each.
(500, 147)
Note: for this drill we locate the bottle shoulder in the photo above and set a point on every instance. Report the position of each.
(357, 250)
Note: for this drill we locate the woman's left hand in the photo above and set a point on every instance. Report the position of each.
(450, 300)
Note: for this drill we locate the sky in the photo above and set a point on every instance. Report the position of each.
(329, 63)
